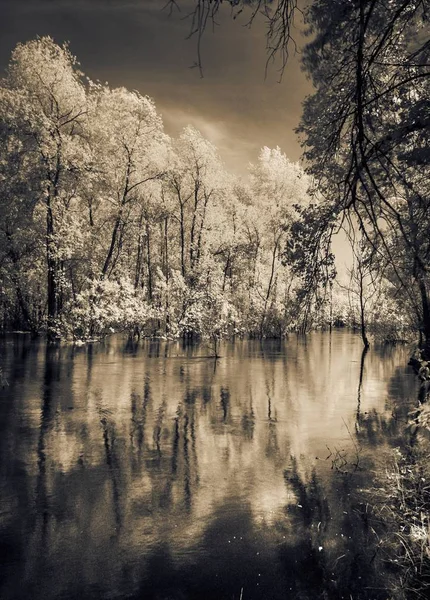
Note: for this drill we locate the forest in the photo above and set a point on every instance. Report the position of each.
(108, 224)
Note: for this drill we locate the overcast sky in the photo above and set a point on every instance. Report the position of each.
(133, 43)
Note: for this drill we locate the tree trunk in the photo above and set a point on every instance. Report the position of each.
(360, 385)
(139, 255)
(149, 260)
(166, 272)
(112, 245)
(52, 265)
(202, 224)
(193, 226)
(226, 268)
(166, 250)
(117, 220)
(182, 232)
(425, 317)
(269, 287)
(362, 312)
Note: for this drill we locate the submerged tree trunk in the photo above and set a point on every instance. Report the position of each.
(360, 385)
(363, 329)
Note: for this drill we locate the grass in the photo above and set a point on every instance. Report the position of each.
(405, 513)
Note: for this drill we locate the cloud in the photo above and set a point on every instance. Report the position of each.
(235, 150)
(79, 4)
(99, 5)
(132, 43)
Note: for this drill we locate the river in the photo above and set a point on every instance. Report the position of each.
(148, 471)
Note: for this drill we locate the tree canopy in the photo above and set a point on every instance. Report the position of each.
(109, 224)
(365, 134)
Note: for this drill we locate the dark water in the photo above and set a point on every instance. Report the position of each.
(144, 472)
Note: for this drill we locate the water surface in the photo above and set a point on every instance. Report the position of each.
(150, 471)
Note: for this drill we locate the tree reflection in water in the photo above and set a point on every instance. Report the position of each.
(140, 471)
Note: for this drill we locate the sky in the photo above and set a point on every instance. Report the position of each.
(136, 44)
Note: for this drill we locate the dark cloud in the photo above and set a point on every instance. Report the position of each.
(86, 4)
(136, 44)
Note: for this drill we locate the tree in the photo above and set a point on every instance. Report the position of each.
(277, 186)
(279, 16)
(366, 131)
(129, 151)
(43, 108)
(76, 163)
(103, 205)
(363, 278)
(19, 234)
(195, 177)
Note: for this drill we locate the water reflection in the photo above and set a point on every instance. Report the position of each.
(140, 471)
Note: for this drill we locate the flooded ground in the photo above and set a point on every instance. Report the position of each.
(147, 471)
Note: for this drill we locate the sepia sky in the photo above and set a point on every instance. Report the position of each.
(133, 43)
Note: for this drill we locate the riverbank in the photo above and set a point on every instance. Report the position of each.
(403, 507)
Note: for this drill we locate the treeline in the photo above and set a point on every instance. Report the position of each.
(109, 224)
